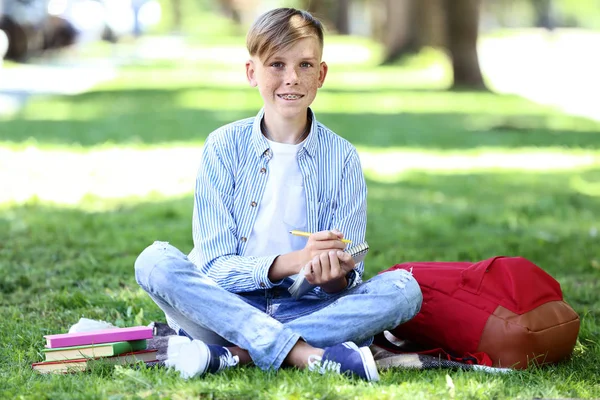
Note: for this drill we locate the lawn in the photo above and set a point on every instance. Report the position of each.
(89, 180)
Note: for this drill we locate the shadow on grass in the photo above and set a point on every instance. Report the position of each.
(416, 119)
(58, 264)
(423, 217)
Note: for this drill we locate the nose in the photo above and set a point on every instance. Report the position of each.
(291, 77)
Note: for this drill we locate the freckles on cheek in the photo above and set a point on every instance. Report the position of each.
(312, 80)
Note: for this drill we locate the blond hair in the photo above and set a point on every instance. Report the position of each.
(278, 29)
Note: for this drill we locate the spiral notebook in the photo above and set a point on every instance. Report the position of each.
(301, 286)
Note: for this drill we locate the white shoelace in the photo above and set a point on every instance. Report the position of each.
(316, 363)
(227, 360)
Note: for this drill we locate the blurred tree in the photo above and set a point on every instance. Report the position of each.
(333, 13)
(399, 29)
(342, 17)
(176, 7)
(409, 25)
(544, 13)
(231, 9)
(462, 19)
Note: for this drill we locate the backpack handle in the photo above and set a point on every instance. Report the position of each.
(472, 277)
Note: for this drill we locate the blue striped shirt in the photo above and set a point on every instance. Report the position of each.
(230, 184)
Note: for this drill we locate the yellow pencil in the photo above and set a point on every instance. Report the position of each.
(307, 234)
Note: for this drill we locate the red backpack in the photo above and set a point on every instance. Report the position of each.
(505, 307)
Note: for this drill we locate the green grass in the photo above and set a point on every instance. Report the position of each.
(451, 176)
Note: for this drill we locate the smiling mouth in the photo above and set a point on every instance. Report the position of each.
(290, 96)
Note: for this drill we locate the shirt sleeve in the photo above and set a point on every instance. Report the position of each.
(214, 228)
(350, 215)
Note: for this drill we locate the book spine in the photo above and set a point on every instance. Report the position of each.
(98, 338)
(125, 347)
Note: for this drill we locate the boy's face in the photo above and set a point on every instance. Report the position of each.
(289, 79)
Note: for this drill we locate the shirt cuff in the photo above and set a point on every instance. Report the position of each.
(353, 279)
(261, 273)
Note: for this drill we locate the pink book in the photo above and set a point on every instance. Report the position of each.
(98, 336)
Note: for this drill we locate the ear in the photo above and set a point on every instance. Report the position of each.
(322, 73)
(251, 73)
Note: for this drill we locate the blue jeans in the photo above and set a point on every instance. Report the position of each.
(268, 323)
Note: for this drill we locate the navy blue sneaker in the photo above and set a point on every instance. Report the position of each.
(347, 359)
(195, 358)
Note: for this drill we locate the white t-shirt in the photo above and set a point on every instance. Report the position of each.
(283, 205)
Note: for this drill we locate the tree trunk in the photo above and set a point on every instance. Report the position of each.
(342, 22)
(462, 17)
(400, 35)
(315, 7)
(176, 7)
(431, 23)
(334, 14)
(544, 14)
(229, 9)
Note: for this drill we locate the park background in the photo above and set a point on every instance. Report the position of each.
(477, 123)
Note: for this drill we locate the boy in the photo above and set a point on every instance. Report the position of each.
(259, 178)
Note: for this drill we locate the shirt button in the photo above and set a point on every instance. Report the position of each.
(263, 170)
(243, 239)
(253, 204)
(262, 284)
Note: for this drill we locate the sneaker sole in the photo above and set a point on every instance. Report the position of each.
(369, 362)
(191, 360)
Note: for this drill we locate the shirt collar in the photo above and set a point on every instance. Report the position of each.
(261, 145)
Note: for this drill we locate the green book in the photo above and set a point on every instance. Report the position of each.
(83, 364)
(94, 350)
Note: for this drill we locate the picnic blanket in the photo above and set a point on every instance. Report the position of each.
(383, 358)
(386, 360)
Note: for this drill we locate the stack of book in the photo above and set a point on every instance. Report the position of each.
(75, 352)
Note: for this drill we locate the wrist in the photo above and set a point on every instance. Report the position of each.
(335, 286)
(285, 265)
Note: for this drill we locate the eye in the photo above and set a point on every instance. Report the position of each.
(277, 64)
(305, 64)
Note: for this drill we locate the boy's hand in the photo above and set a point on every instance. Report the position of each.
(318, 243)
(329, 270)
(322, 242)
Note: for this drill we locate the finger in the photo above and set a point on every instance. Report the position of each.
(346, 261)
(337, 233)
(309, 272)
(325, 266)
(327, 235)
(326, 245)
(343, 256)
(314, 249)
(340, 236)
(307, 269)
(316, 268)
(334, 265)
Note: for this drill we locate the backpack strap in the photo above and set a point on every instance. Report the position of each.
(472, 277)
(478, 358)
